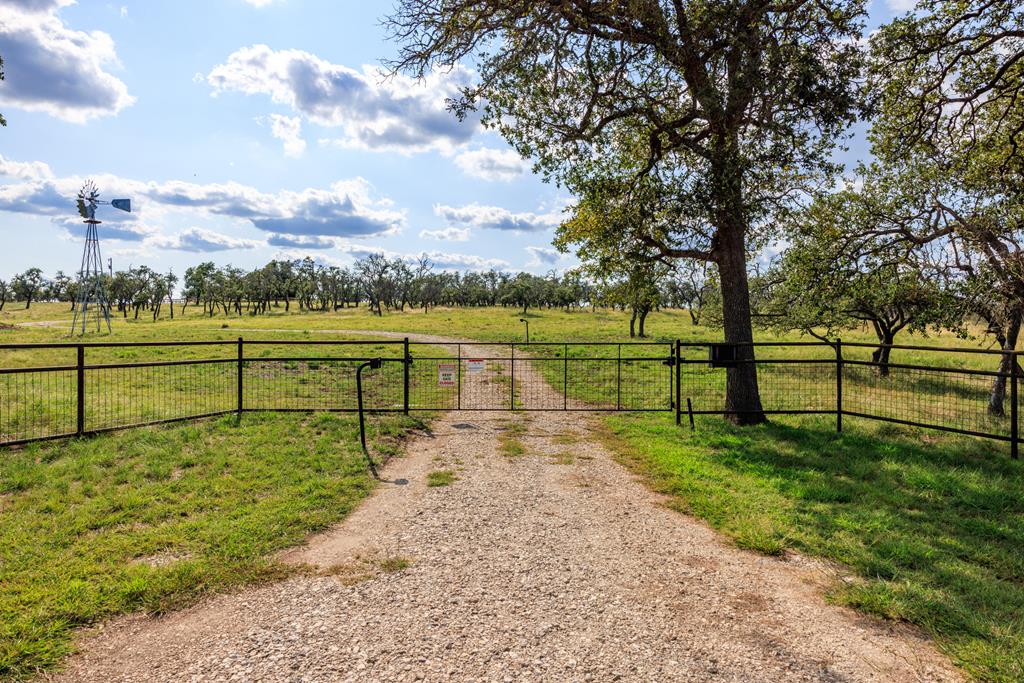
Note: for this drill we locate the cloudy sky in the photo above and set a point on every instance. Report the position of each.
(246, 130)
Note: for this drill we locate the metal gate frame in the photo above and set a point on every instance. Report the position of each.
(564, 357)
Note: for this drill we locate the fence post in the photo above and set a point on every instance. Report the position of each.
(405, 376)
(458, 387)
(241, 357)
(1014, 436)
(618, 380)
(839, 385)
(512, 384)
(679, 388)
(565, 376)
(80, 419)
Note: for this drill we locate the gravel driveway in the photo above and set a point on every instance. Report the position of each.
(553, 565)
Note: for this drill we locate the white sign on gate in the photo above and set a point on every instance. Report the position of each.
(475, 365)
(446, 374)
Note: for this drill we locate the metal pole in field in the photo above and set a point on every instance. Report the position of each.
(1013, 410)
(241, 363)
(679, 388)
(512, 384)
(405, 376)
(618, 380)
(839, 385)
(524, 320)
(565, 376)
(458, 388)
(80, 418)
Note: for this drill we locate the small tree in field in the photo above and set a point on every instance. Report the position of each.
(822, 288)
(374, 271)
(689, 287)
(27, 285)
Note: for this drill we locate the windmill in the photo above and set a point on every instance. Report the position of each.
(92, 301)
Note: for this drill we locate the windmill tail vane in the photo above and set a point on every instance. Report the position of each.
(92, 305)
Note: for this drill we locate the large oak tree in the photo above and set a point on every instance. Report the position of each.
(729, 107)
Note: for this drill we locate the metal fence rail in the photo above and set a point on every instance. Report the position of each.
(93, 387)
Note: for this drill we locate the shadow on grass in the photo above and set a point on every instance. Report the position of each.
(932, 524)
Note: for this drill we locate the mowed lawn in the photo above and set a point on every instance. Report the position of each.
(930, 526)
(154, 518)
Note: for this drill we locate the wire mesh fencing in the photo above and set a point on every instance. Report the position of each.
(58, 390)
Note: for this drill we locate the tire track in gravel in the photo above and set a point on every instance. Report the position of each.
(556, 565)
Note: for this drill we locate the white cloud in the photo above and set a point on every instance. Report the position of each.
(199, 240)
(444, 259)
(55, 69)
(25, 170)
(288, 129)
(446, 234)
(543, 256)
(348, 208)
(492, 164)
(294, 242)
(126, 231)
(496, 218)
(397, 113)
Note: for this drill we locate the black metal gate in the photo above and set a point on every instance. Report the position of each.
(543, 376)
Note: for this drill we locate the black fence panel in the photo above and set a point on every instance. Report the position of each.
(58, 390)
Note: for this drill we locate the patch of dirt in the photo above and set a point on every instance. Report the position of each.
(523, 569)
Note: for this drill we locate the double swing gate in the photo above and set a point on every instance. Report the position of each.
(66, 389)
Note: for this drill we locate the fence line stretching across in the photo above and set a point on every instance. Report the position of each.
(92, 395)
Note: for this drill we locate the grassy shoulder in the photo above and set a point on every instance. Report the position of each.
(932, 526)
(152, 519)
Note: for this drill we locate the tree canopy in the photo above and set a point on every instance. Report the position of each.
(729, 109)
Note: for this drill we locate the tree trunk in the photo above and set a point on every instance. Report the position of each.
(742, 397)
(1008, 343)
(881, 354)
(632, 324)
(643, 321)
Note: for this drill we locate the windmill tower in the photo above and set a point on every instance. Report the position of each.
(92, 303)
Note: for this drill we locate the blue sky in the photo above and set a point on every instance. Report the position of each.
(246, 130)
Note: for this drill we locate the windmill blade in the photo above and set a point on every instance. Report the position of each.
(83, 210)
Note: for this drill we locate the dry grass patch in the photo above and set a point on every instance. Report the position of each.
(440, 478)
(365, 568)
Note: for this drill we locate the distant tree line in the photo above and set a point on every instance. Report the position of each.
(376, 282)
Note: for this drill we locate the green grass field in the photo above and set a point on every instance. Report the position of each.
(930, 525)
(154, 518)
